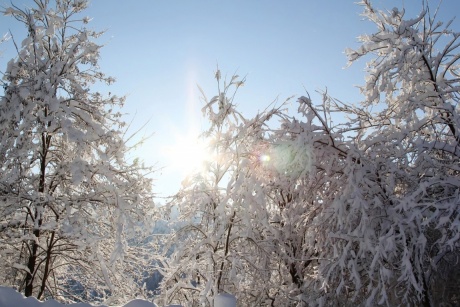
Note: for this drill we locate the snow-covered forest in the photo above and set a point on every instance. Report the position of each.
(338, 205)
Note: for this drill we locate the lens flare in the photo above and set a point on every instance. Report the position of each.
(264, 158)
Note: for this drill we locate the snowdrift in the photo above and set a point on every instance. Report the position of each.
(11, 298)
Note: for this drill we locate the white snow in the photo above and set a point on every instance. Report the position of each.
(10, 297)
(139, 303)
(224, 300)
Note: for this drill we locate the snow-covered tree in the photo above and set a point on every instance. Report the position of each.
(205, 243)
(246, 215)
(218, 249)
(71, 203)
(361, 212)
(392, 228)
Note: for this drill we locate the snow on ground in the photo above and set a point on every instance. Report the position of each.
(11, 298)
(224, 300)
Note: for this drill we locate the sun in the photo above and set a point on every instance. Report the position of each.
(187, 154)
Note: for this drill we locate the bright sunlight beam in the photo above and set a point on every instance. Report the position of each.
(187, 154)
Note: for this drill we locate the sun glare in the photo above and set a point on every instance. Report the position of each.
(264, 158)
(187, 154)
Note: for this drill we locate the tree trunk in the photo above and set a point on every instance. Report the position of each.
(226, 251)
(31, 266)
(426, 301)
(46, 140)
(47, 265)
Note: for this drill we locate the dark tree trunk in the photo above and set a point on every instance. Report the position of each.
(47, 265)
(31, 266)
(426, 301)
(38, 220)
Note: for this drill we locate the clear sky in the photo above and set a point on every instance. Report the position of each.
(160, 50)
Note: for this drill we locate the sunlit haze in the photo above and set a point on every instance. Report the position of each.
(159, 51)
(186, 154)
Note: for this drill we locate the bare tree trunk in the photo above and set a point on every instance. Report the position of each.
(227, 243)
(38, 220)
(31, 266)
(47, 265)
(426, 302)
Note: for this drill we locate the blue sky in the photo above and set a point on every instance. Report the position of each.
(160, 50)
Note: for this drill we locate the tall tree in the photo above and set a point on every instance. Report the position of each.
(245, 215)
(69, 198)
(360, 212)
(215, 249)
(394, 223)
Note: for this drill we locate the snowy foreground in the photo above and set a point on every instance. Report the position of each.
(11, 298)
